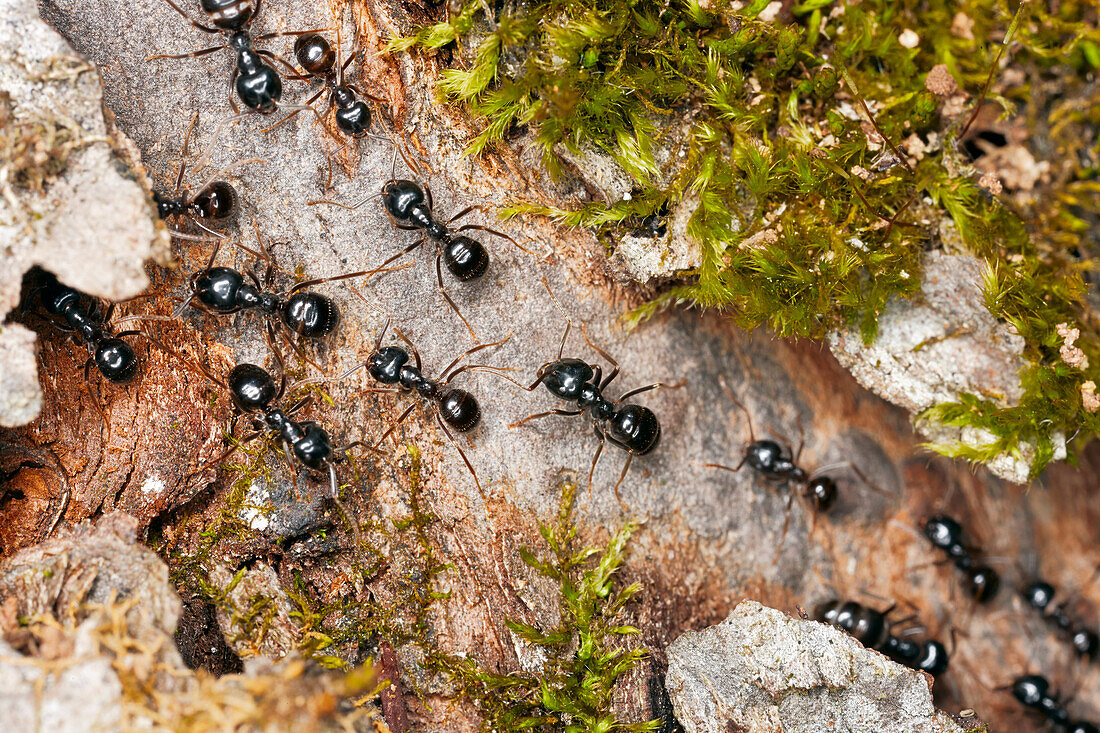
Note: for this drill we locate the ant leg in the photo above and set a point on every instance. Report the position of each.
(786, 524)
(595, 458)
(334, 494)
(648, 387)
(299, 405)
(740, 404)
(537, 415)
(405, 414)
(221, 172)
(191, 55)
(614, 364)
(200, 26)
(735, 469)
(487, 369)
(293, 114)
(362, 273)
(183, 151)
(801, 444)
(443, 291)
(428, 195)
(443, 427)
(378, 341)
(626, 467)
(859, 474)
(443, 375)
(416, 354)
(502, 235)
(564, 336)
(279, 60)
(232, 87)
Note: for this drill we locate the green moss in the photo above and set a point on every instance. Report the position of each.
(584, 653)
(807, 218)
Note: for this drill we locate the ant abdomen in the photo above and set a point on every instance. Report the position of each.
(821, 491)
(310, 314)
(229, 15)
(636, 428)
(216, 201)
(459, 409)
(466, 258)
(314, 54)
(116, 360)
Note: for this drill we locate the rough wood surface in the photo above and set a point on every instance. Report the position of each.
(711, 538)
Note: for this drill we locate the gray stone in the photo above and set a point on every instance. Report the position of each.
(68, 201)
(20, 397)
(944, 344)
(762, 671)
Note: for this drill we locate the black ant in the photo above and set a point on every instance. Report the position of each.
(873, 629)
(409, 204)
(258, 85)
(319, 60)
(114, 358)
(452, 406)
(777, 464)
(652, 226)
(223, 290)
(1033, 691)
(634, 428)
(253, 390)
(947, 534)
(1040, 596)
(214, 201)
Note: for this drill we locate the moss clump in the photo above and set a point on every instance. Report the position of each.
(584, 658)
(819, 165)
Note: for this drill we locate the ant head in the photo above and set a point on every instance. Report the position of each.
(310, 314)
(459, 409)
(352, 115)
(314, 54)
(314, 448)
(1030, 689)
(217, 201)
(1039, 594)
(229, 15)
(55, 296)
(821, 492)
(217, 288)
(385, 364)
(1086, 643)
(260, 89)
(466, 258)
(251, 387)
(983, 582)
(635, 428)
(826, 611)
(116, 360)
(933, 658)
(943, 532)
(401, 198)
(763, 455)
(566, 378)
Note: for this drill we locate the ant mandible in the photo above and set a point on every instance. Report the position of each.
(874, 630)
(258, 85)
(409, 204)
(634, 428)
(1033, 691)
(452, 406)
(114, 358)
(947, 534)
